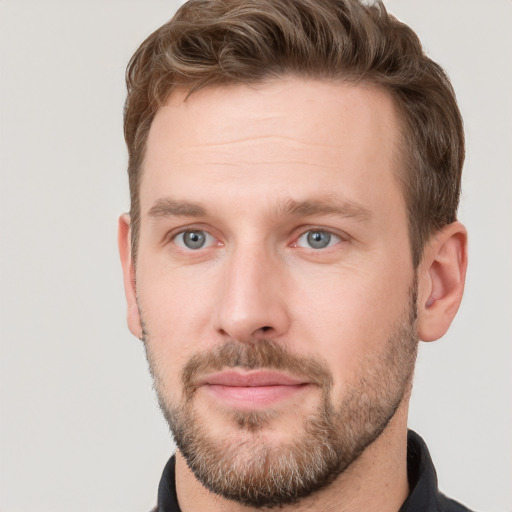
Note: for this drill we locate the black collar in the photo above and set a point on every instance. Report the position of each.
(423, 497)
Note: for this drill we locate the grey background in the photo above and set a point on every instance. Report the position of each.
(79, 425)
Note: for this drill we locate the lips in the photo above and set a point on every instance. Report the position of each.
(251, 379)
(251, 390)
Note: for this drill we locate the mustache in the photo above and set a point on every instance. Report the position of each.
(259, 354)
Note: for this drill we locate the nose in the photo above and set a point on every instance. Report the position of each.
(252, 303)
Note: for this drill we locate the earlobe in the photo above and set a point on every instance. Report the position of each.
(441, 278)
(123, 239)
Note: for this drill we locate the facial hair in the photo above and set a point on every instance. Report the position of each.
(250, 470)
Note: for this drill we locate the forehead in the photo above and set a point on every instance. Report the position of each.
(289, 135)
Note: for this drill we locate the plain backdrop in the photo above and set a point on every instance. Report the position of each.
(80, 428)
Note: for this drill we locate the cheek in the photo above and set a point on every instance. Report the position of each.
(174, 300)
(174, 312)
(349, 316)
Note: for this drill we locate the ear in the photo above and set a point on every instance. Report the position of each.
(441, 278)
(123, 240)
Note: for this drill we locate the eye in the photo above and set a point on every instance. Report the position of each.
(317, 239)
(193, 239)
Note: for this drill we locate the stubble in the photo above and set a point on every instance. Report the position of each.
(250, 469)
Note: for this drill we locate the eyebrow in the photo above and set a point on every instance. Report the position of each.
(331, 206)
(168, 207)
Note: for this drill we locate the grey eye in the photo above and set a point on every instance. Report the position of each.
(193, 240)
(317, 239)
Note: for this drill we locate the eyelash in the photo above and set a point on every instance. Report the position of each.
(341, 237)
(173, 236)
(330, 235)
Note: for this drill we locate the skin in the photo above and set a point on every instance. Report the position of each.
(242, 154)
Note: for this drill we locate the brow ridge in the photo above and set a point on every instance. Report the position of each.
(168, 207)
(343, 208)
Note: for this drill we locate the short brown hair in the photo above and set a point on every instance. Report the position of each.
(216, 42)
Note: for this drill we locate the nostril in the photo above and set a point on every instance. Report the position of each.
(266, 328)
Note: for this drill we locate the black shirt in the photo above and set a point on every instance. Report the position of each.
(424, 496)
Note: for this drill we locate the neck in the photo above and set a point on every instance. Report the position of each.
(376, 481)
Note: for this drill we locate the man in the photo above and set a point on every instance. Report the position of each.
(294, 176)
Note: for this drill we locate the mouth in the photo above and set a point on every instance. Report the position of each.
(252, 389)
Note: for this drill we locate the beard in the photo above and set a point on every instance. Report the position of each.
(246, 466)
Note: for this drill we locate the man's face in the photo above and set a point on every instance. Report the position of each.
(274, 281)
